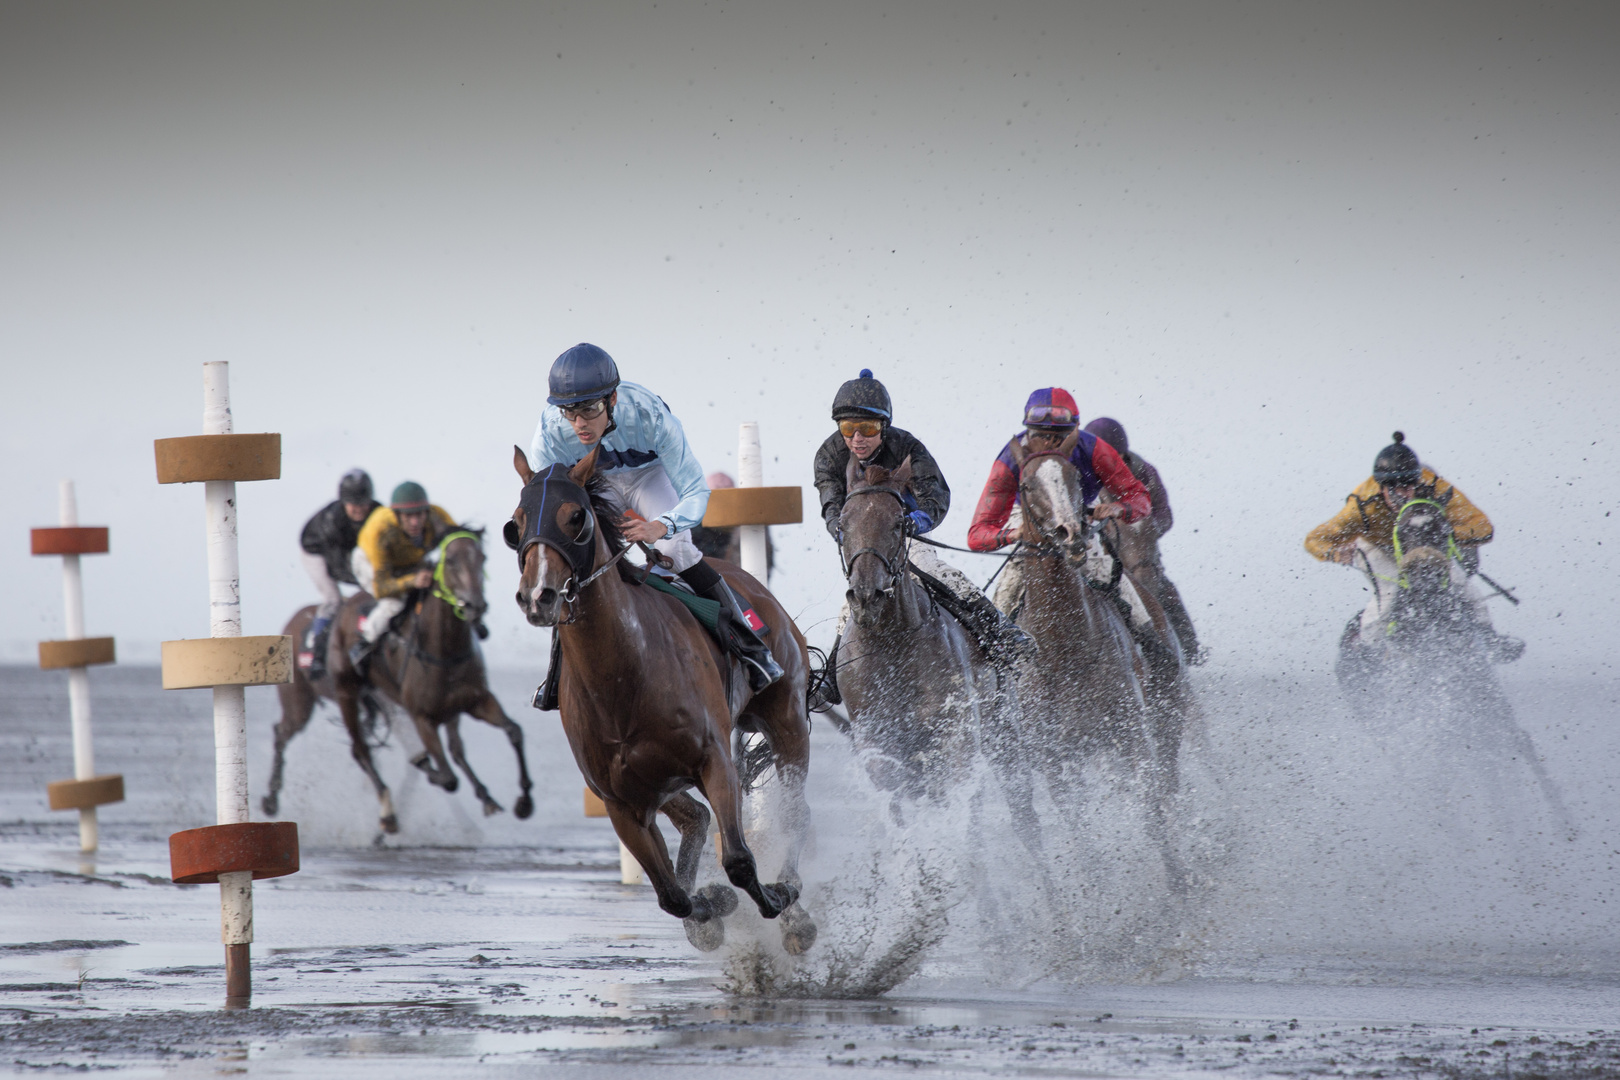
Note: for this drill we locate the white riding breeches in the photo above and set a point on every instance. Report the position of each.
(373, 624)
(648, 492)
(315, 567)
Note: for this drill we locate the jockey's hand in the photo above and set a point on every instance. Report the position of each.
(1344, 554)
(645, 532)
(1104, 511)
(423, 579)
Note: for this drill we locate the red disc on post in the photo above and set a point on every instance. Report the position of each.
(268, 848)
(69, 540)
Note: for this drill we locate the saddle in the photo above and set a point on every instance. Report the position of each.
(710, 613)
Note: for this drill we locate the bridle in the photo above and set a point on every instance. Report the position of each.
(893, 563)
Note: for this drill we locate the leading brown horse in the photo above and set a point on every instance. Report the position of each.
(431, 668)
(649, 701)
(1092, 689)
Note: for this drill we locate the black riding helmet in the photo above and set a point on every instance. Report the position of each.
(862, 398)
(355, 488)
(1397, 464)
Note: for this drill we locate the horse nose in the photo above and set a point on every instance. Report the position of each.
(1065, 534)
(546, 598)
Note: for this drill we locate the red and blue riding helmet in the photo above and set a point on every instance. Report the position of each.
(1051, 408)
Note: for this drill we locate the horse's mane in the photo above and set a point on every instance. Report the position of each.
(608, 520)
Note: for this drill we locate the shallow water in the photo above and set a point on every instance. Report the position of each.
(1369, 898)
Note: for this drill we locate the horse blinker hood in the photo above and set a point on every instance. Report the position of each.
(541, 500)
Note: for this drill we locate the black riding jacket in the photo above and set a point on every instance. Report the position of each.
(332, 535)
(929, 492)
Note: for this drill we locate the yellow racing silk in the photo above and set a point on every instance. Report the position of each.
(1367, 516)
(395, 558)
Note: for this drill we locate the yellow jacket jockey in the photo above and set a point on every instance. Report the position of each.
(388, 559)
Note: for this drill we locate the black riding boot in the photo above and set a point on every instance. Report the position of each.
(360, 656)
(746, 625)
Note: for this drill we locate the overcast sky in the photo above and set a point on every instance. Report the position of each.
(1262, 235)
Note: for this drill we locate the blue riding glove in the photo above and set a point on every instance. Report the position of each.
(917, 523)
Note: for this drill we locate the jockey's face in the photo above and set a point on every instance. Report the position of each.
(589, 429)
(863, 446)
(1042, 441)
(357, 512)
(413, 522)
(1398, 495)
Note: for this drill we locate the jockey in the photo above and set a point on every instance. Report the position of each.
(653, 475)
(1364, 531)
(328, 542)
(1050, 416)
(1149, 530)
(388, 560)
(864, 413)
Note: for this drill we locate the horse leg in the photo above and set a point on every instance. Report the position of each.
(297, 706)
(692, 819)
(432, 760)
(646, 843)
(720, 788)
(459, 754)
(360, 750)
(490, 712)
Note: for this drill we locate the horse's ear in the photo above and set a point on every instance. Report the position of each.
(520, 462)
(1066, 447)
(902, 476)
(854, 475)
(1016, 448)
(581, 474)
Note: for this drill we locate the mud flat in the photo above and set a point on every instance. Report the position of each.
(1350, 919)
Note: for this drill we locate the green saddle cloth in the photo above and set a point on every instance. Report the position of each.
(707, 611)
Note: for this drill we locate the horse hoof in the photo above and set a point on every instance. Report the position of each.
(780, 897)
(722, 899)
(798, 931)
(449, 783)
(523, 807)
(270, 804)
(390, 824)
(705, 936)
(491, 807)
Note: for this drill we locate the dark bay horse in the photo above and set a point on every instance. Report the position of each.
(1091, 688)
(649, 702)
(918, 686)
(430, 667)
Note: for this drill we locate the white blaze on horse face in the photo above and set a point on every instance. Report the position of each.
(1057, 499)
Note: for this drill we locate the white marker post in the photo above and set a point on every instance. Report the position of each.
(751, 474)
(235, 851)
(86, 790)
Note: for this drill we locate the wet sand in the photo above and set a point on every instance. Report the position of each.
(470, 944)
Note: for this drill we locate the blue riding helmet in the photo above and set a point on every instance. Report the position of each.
(584, 373)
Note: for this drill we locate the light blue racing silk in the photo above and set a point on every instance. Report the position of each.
(647, 434)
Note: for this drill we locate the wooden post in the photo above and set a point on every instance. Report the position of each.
(86, 790)
(229, 663)
(751, 474)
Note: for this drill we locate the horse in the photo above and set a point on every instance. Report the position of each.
(431, 668)
(918, 686)
(1091, 689)
(649, 702)
(1429, 653)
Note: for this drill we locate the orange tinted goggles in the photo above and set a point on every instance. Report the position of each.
(866, 428)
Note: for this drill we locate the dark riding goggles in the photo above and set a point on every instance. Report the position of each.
(866, 428)
(1050, 416)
